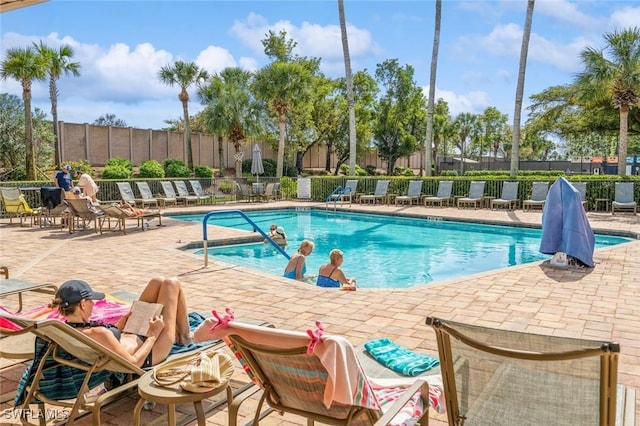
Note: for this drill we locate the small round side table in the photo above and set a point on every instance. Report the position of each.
(149, 390)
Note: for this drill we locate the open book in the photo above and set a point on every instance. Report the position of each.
(141, 313)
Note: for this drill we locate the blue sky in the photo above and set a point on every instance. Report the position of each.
(121, 45)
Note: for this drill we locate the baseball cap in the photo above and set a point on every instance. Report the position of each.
(73, 291)
(67, 167)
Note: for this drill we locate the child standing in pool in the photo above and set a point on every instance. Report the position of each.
(296, 267)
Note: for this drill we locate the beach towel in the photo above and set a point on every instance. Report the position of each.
(398, 358)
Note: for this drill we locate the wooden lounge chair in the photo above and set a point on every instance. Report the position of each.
(476, 193)
(624, 198)
(79, 210)
(380, 193)
(500, 377)
(413, 193)
(320, 380)
(538, 196)
(509, 197)
(121, 216)
(443, 196)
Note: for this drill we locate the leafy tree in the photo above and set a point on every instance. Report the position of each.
(614, 74)
(443, 128)
(110, 120)
(58, 63)
(524, 50)
(282, 84)
(350, 97)
(466, 126)
(12, 136)
(494, 123)
(401, 113)
(231, 109)
(184, 74)
(428, 159)
(25, 66)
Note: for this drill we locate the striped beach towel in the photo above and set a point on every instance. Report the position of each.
(398, 358)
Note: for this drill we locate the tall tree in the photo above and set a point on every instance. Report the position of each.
(25, 66)
(517, 112)
(614, 74)
(184, 74)
(400, 116)
(283, 83)
(428, 159)
(465, 127)
(58, 63)
(350, 99)
(231, 109)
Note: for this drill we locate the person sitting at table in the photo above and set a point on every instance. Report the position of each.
(330, 275)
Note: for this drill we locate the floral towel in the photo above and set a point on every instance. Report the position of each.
(398, 358)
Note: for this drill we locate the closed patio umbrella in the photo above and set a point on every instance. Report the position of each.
(256, 162)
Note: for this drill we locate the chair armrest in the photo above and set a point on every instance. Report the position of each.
(418, 385)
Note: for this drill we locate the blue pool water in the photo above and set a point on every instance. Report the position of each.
(384, 251)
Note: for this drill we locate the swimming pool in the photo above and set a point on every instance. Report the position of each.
(385, 251)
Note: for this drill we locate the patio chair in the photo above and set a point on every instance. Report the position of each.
(243, 192)
(183, 192)
(269, 192)
(15, 205)
(581, 187)
(443, 196)
(413, 193)
(121, 216)
(79, 210)
(319, 378)
(538, 196)
(499, 377)
(380, 193)
(509, 197)
(126, 194)
(169, 197)
(476, 194)
(624, 198)
(347, 193)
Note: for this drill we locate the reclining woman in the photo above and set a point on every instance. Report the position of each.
(74, 300)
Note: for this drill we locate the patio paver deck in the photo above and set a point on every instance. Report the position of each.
(603, 303)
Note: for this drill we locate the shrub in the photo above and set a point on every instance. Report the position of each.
(203, 171)
(449, 173)
(226, 186)
(116, 172)
(176, 168)
(288, 188)
(119, 162)
(83, 166)
(151, 169)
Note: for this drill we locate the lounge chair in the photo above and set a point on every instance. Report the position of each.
(318, 377)
(170, 196)
(126, 194)
(183, 192)
(443, 196)
(147, 195)
(582, 189)
(624, 198)
(499, 377)
(346, 193)
(476, 194)
(380, 193)
(413, 193)
(538, 196)
(121, 216)
(79, 210)
(15, 205)
(509, 197)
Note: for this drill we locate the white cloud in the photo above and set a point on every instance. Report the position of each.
(625, 17)
(566, 12)
(214, 59)
(474, 101)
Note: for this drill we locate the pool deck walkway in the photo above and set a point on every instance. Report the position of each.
(600, 303)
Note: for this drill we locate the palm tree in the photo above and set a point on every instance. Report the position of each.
(350, 99)
(184, 74)
(524, 50)
(615, 77)
(465, 127)
(25, 65)
(428, 158)
(58, 62)
(231, 108)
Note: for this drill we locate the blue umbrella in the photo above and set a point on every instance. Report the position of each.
(256, 162)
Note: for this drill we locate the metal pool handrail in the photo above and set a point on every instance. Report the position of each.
(251, 222)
